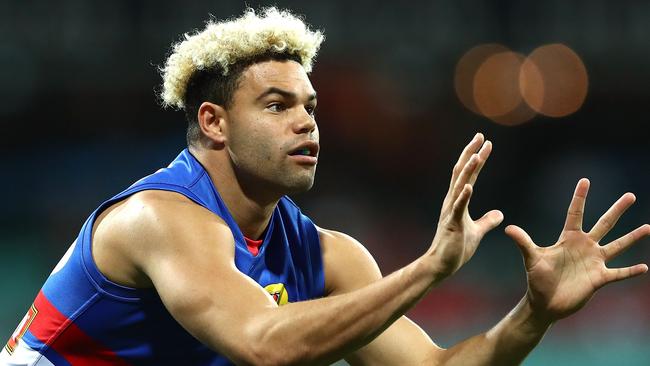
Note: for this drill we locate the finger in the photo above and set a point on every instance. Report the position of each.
(464, 176)
(577, 206)
(619, 274)
(523, 241)
(609, 219)
(621, 244)
(483, 155)
(489, 221)
(461, 203)
(470, 149)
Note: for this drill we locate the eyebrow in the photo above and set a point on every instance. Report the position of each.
(285, 93)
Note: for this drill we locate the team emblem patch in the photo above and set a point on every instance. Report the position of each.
(279, 293)
(21, 329)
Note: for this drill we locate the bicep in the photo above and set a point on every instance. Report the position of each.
(190, 261)
(404, 342)
(204, 291)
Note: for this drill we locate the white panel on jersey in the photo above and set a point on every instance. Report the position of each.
(65, 258)
(23, 355)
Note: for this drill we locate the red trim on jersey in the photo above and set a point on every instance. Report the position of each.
(57, 331)
(253, 245)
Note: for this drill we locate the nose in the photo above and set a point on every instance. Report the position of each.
(305, 123)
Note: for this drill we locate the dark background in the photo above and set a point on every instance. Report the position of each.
(79, 121)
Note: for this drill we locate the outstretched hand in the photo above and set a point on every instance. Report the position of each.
(458, 235)
(564, 276)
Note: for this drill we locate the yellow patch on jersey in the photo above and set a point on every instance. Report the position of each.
(278, 292)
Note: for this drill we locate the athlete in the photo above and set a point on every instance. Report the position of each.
(207, 262)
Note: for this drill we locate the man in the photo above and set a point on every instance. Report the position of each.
(207, 262)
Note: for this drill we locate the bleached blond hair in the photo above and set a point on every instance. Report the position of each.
(223, 44)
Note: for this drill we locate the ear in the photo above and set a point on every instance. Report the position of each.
(212, 121)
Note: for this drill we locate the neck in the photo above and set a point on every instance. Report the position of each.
(250, 207)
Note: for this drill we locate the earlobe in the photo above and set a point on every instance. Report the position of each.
(212, 121)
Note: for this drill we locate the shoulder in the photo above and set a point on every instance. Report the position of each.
(150, 226)
(156, 211)
(348, 264)
(155, 214)
(335, 242)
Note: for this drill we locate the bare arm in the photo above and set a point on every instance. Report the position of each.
(561, 279)
(187, 254)
(404, 343)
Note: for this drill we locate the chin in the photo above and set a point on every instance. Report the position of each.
(301, 185)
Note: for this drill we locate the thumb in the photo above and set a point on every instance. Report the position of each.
(489, 221)
(522, 239)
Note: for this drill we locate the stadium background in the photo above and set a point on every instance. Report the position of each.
(79, 122)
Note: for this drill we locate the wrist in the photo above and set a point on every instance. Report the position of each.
(534, 319)
(430, 264)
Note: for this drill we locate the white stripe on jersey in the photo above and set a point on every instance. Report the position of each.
(23, 355)
(65, 258)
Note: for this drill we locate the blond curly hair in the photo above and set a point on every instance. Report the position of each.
(223, 44)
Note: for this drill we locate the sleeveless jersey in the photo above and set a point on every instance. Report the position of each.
(79, 317)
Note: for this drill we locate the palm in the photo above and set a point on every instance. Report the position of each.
(465, 237)
(564, 276)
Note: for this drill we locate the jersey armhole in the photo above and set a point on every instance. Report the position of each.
(95, 276)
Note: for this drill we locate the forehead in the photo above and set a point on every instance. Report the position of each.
(288, 75)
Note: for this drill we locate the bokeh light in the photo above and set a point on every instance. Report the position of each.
(466, 69)
(496, 89)
(554, 81)
(508, 88)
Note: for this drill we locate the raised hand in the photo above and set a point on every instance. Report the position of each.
(457, 235)
(564, 276)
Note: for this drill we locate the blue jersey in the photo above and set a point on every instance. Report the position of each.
(80, 317)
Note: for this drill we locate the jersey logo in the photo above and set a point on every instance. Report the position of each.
(21, 329)
(278, 292)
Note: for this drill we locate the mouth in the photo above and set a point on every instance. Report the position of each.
(308, 148)
(305, 153)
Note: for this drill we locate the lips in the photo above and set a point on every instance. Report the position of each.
(307, 148)
(305, 154)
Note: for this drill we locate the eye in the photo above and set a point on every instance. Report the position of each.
(311, 109)
(276, 107)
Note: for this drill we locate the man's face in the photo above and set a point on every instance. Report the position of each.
(272, 134)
